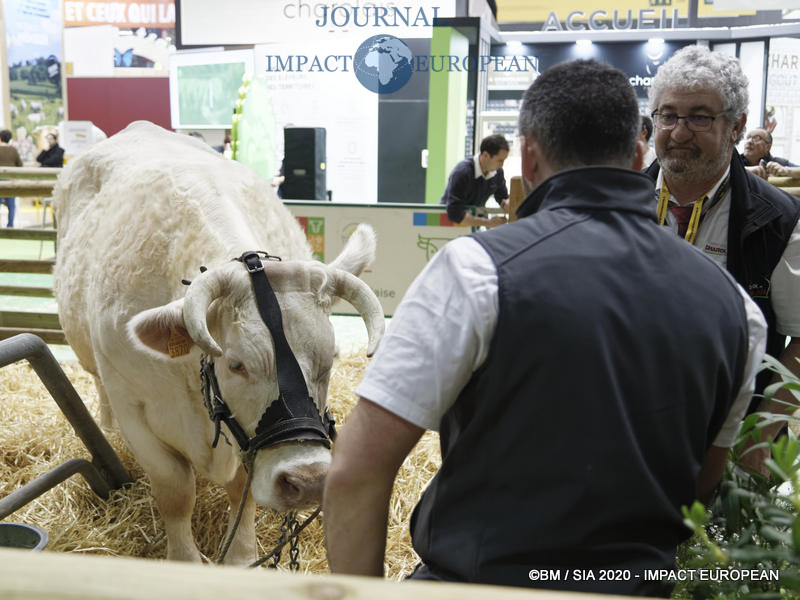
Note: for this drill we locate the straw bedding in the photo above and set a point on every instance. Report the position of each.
(35, 437)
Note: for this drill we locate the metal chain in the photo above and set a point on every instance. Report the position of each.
(285, 526)
(294, 551)
(290, 532)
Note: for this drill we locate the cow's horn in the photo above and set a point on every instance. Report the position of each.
(199, 296)
(349, 287)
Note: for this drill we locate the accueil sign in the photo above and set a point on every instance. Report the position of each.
(577, 15)
(645, 18)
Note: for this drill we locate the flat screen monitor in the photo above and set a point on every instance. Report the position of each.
(204, 87)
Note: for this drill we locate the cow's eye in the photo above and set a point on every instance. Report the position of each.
(237, 368)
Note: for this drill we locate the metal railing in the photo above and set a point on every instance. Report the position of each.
(105, 471)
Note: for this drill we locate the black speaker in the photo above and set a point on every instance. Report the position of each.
(304, 163)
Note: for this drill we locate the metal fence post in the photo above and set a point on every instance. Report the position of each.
(105, 472)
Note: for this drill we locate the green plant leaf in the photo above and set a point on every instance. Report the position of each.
(796, 536)
(776, 470)
(775, 535)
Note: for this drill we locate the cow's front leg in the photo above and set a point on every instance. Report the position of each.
(106, 417)
(242, 550)
(173, 488)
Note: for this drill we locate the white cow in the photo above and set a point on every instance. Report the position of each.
(136, 214)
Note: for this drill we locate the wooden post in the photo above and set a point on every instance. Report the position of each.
(787, 184)
(516, 194)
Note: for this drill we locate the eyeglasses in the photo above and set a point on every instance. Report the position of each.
(756, 138)
(667, 121)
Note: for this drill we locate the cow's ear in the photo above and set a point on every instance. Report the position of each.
(160, 332)
(358, 252)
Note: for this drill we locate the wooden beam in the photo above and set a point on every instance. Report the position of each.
(29, 172)
(27, 291)
(784, 181)
(26, 189)
(25, 265)
(516, 195)
(49, 336)
(29, 320)
(32, 233)
(62, 576)
(794, 191)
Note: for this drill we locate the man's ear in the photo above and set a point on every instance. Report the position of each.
(638, 155)
(529, 158)
(535, 166)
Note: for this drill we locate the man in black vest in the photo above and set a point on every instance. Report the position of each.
(586, 370)
(699, 101)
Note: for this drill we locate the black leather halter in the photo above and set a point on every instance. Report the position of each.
(293, 416)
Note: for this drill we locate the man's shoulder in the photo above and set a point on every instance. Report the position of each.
(785, 162)
(463, 169)
(652, 170)
(10, 153)
(465, 164)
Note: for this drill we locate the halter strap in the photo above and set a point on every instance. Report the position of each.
(293, 415)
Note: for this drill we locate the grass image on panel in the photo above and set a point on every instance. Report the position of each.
(35, 99)
(207, 93)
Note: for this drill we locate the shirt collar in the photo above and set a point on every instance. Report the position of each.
(710, 193)
(479, 171)
(595, 187)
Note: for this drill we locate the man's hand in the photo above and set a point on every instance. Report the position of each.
(471, 220)
(711, 472)
(758, 171)
(778, 169)
(495, 221)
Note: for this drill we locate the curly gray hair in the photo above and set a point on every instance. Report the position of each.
(694, 67)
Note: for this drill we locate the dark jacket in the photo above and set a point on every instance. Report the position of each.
(576, 443)
(464, 189)
(52, 157)
(769, 158)
(761, 221)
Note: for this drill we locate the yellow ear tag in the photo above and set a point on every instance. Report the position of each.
(178, 344)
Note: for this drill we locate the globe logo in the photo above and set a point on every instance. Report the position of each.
(383, 64)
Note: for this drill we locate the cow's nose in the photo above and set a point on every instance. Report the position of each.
(301, 486)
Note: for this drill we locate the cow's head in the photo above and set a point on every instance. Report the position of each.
(219, 317)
